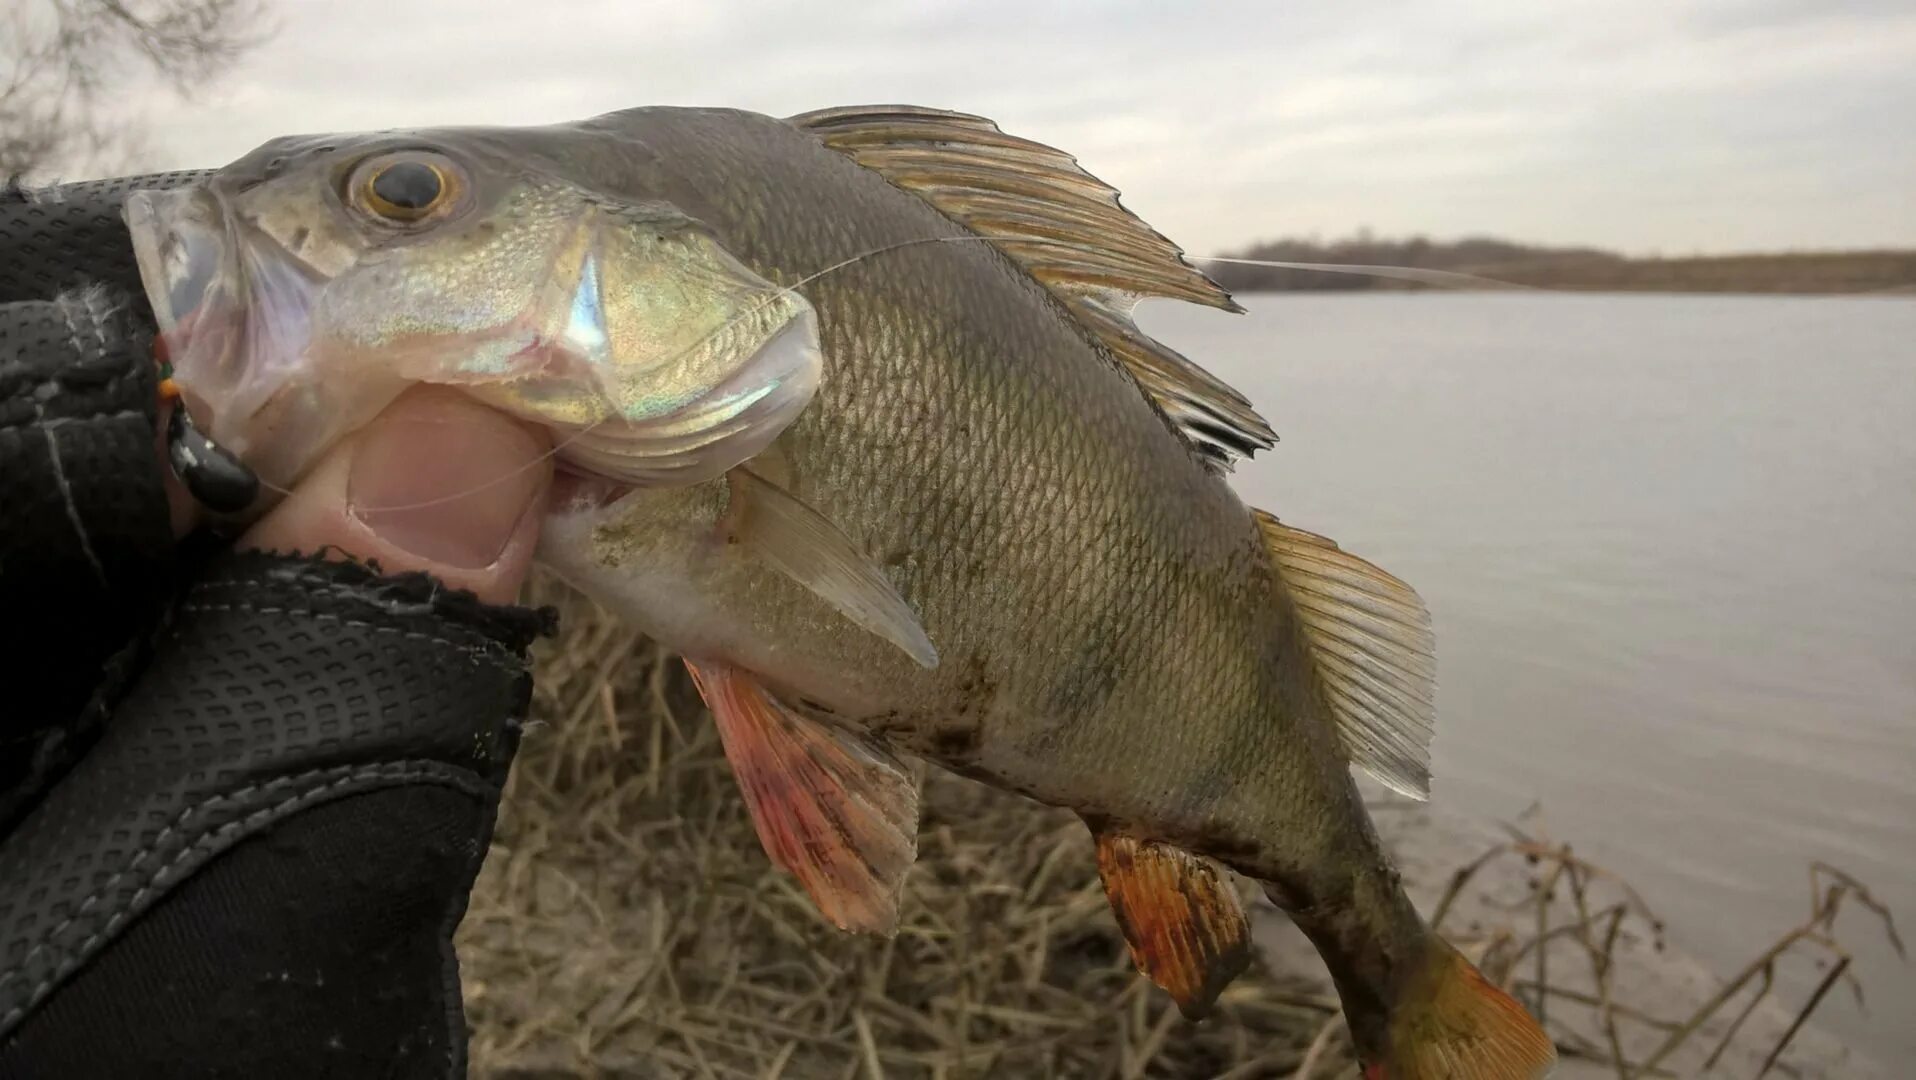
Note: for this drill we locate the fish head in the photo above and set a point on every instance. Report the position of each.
(301, 289)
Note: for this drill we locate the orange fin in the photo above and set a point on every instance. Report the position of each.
(1179, 914)
(1450, 1021)
(838, 812)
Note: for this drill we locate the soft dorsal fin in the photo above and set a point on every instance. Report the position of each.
(1068, 230)
(1372, 645)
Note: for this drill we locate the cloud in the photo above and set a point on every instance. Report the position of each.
(1733, 124)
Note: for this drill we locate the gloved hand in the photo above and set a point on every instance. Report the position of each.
(243, 792)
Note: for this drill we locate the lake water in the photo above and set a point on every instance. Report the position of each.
(1669, 543)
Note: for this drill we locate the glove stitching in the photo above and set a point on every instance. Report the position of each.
(38, 419)
(433, 771)
(66, 494)
(473, 644)
(87, 301)
(75, 380)
(175, 826)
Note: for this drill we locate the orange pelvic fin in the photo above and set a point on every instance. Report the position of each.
(838, 812)
(1179, 914)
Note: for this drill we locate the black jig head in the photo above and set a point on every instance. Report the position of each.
(221, 482)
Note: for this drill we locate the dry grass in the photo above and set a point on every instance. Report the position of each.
(628, 924)
(1581, 914)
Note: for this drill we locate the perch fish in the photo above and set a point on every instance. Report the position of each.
(850, 411)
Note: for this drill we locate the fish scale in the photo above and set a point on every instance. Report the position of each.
(1039, 464)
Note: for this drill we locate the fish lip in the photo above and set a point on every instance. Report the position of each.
(721, 428)
(772, 386)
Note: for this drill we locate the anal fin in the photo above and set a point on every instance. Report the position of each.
(836, 811)
(1179, 914)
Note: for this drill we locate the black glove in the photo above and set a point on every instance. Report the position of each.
(243, 797)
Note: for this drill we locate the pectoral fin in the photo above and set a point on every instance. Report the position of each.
(838, 812)
(1179, 914)
(803, 545)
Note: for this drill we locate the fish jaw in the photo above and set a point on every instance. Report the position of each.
(707, 437)
(696, 362)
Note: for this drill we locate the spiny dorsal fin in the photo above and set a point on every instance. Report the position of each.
(1069, 231)
(1371, 641)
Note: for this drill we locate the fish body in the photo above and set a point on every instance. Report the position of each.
(1097, 594)
(986, 523)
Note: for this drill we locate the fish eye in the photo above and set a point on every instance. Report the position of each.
(405, 188)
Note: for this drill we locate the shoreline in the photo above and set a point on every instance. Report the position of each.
(1860, 273)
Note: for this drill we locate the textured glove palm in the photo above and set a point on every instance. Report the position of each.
(243, 797)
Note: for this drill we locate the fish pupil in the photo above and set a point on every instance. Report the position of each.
(408, 185)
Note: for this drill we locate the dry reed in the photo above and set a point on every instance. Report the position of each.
(627, 924)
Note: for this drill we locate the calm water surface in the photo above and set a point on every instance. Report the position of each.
(1670, 547)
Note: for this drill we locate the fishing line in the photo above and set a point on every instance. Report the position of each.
(1442, 278)
(1445, 278)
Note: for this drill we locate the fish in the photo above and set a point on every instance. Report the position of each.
(850, 411)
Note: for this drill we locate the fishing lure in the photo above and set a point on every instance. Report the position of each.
(214, 476)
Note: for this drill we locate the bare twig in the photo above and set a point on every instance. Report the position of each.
(72, 64)
(1460, 879)
(1816, 998)
(1593, 1001)
(1601, 963)
(1769, 981)
(1825, 903)
(1863, 897)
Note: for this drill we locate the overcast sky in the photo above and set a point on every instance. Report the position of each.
(1647, 125)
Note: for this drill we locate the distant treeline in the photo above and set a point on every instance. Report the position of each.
(1566, 267)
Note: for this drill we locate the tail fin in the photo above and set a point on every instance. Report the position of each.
(1450, 1022)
